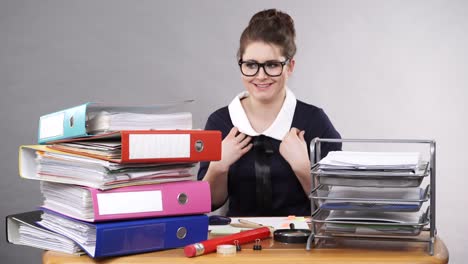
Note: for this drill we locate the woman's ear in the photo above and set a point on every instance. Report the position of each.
(291, 64)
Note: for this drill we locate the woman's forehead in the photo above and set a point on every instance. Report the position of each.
(262, 51)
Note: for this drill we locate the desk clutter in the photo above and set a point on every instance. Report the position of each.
(229, 243)
(373, 195)
(119, 180)
(116, 180)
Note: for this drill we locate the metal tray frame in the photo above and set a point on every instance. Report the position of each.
(315, 155)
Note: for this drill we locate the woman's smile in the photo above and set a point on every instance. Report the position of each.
(263, 86)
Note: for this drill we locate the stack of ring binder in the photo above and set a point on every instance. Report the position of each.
(116, 180)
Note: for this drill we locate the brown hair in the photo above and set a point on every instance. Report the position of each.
(270, 26)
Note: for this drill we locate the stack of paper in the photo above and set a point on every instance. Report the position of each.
(42, 163)
(83, 234)
(146, 146)
(22, 229)
(370, 160)
(380, 199)
(109, 149)
(114, 121)
(376, 217)
(95, 118)
(370, 222)
(372, 229)
(370, 194)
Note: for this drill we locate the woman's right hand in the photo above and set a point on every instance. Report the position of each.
(234, 146)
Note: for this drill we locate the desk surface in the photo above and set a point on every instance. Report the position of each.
(274, 252)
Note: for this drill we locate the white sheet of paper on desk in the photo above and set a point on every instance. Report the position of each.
(281, 222)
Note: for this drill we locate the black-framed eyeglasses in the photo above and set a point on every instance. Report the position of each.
(271, 68)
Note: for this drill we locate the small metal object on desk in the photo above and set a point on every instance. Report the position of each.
(257, 245)
(291, 235)
(238, 246)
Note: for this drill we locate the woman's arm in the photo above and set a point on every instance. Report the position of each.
(293, 148)
(234, 146)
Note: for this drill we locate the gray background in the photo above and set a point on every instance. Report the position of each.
(380, 69)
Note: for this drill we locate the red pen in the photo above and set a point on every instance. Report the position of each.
(210, 245)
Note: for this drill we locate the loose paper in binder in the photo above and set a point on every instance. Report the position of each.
(118, 238)
(95, 118)
(154, 200)
(144, 146)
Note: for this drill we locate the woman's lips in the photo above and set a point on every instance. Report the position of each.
(262, 85)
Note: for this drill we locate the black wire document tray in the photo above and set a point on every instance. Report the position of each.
(370, 198)
(371, 178)
(381, 189)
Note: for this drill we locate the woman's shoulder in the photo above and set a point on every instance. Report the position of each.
(222, 112)
(219, 120)
(307, 115)
(308, 110)
(313, 119)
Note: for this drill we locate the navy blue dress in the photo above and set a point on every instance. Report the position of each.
(288, 196)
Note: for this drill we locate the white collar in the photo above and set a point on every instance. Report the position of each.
(280, 126)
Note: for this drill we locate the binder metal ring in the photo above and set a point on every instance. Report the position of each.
(182, 198)
(71, 121)
(181, 232)
(199, 145)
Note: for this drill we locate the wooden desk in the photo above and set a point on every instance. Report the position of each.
(274, 252)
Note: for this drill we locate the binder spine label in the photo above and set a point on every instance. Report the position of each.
(153, 146)
(129, 202)
(51, 125)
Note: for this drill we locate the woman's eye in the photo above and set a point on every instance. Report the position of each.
(273, 65)
(251, 65)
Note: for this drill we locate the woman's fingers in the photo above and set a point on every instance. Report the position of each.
(301, 135)
(246, 148)
(233, 132)
(245, 141)
(240, 137)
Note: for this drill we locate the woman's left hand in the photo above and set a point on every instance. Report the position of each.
(293, 148)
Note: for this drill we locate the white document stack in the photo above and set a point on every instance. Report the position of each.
(108, 121)
(370, 160)
(22, 229)
(371, 193)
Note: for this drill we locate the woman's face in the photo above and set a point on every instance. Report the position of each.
(262, 87)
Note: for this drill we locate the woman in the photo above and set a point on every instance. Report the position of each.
(265, 165)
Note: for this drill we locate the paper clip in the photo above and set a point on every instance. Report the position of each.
(258, 245)
(238, 246)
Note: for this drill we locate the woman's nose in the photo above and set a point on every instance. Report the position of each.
(261, 73)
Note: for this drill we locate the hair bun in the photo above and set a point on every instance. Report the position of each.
(273, 18)
(270, 26)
